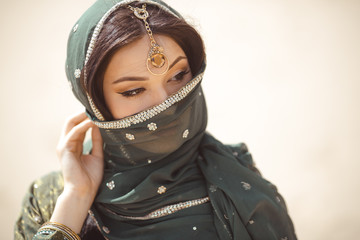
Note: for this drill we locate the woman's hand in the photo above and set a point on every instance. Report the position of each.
(82, 173)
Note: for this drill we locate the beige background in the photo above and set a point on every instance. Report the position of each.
(283, 76)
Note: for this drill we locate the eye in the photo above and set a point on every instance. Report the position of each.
(132, 93)
(180, 76)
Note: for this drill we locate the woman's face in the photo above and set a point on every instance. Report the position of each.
(128, 85)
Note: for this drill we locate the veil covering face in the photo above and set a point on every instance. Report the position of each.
(164, 176)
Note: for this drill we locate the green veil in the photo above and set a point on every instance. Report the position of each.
(165, 177)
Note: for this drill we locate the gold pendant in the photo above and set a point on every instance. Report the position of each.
(156, 54)
(157, 59)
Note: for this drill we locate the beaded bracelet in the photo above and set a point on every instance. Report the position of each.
(69, 234)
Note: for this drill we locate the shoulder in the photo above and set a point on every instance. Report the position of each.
(46, 190)
(234, 152)
(38, 204)
(42, 195)
(49, 184)
(242, 154)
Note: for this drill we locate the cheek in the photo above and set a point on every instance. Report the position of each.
(173, 88)
(121, 107)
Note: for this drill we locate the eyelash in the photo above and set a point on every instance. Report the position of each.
(178, 77)
(132, 93)
(181, 75)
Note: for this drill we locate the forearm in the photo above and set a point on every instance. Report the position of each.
(71, 209)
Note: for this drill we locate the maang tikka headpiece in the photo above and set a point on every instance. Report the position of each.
(156, 56)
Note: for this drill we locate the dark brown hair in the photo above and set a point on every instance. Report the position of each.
(123, 27)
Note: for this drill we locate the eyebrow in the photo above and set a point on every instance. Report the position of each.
(131, 78)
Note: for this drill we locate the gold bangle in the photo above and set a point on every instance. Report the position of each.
(70, 234)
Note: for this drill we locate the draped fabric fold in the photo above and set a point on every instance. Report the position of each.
(245, 204)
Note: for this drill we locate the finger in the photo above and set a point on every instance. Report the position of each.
(78, 132)
(72, 121)
(97, 142)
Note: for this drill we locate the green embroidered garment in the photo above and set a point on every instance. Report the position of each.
(39, 202)
(164, 177)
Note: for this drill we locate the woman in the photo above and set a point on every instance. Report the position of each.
(151, 172)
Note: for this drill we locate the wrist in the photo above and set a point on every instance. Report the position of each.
(80, 193)
(72, 208)
(54, 226)
(75, 197)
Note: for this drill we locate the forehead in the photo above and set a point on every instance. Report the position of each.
(131, 58)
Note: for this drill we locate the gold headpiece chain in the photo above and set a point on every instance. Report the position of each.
(156, 54)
